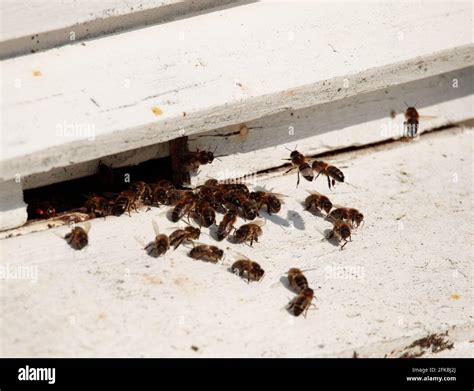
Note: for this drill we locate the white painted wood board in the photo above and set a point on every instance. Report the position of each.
(32, 25)
(220, 69)
(407, 273)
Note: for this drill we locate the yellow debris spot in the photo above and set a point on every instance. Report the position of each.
(455, 296)
(156, 110)
(37, 73)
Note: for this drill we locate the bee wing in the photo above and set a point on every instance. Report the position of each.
(315, 192)
(86, 226)
(156, 228)
(337, 206)
(260, 223)
(140, 241)
(58, 234)
(237, 256)
(426, 117)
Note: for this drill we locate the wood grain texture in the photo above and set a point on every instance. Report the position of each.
(220, 69)
(406, 273)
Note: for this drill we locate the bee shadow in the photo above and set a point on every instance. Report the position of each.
(313, 211)
(213, 232)
(296, 219)
(334, 240)
(284, 281)
(275, 219)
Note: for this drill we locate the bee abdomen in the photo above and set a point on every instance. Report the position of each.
(336, 174)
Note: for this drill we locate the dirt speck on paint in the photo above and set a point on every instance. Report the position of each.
(434, 342)
(37, 73)
(156, 110)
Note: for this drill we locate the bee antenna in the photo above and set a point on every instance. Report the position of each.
(406, 104)
(288, 149)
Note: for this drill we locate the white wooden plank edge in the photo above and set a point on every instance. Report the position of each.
(217, 93)
(361, 120)
(30, 26)
(12, 208)
(403, 276)
(75, 152)
(292, 125)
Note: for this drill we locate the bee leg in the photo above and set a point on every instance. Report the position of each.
(305, 312)
(298, 180)
(344, 244)
(329, 183)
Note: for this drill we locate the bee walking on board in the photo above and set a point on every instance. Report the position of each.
(142, 191)
(192, 160)
(206, 252)
(227, 224)
(183, 206)
(297, 280)
(180, 235)
(249, 232)
(411, 122)
(318, 202)
(159, 246)
(125, 202)
(350, 215)
(78, 237)
(248, 269)
(97, 206)
(332, 173)
(272, 201)
(411, 125)
(340, 230)
(301, 303)
(300, 162)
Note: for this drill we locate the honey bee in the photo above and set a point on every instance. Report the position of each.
(273, 201)
(160, 245)
(251, 270)
(341, 230)
(237, 198)
(160, 192)
(411, 121)
(249, 232)
(184, 205)
(206, 253)
(193, 160)
(78, 237)
(318, 202)
(301, 303)
(142, 191)
(347, 214)
(188, 233)
(125, 202)
(41, 209)
(227, 224)
(97, 206)
(299, 161)
(297, 280)
(332, 173)
(205, 213)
